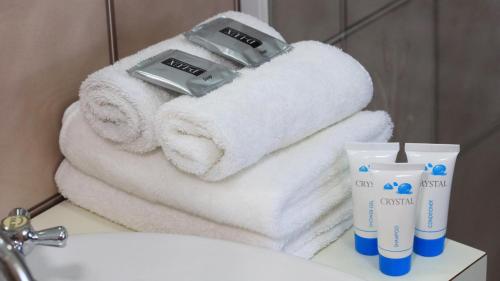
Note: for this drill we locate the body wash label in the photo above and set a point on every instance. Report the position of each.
(360, 156)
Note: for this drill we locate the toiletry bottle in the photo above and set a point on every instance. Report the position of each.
(360, 154)
(397, 187)
(434, 199)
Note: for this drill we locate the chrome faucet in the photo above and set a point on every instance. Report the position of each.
(17, 239)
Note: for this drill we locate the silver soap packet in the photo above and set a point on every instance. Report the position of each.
(183, 73)
(237, 41)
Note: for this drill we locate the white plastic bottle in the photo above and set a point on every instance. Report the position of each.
(435, 189)
(360, 155)
(397, 187)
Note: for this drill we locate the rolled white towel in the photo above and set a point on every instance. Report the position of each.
(142, 215)
(267, 108)
(121, 108)
(281, 194)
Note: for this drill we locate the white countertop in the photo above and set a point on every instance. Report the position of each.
(340, 255)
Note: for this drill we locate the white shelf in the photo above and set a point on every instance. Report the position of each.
(458, 262)
(456, 258)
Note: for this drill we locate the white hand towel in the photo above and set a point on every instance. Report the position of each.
(121, 108)
(259, 198)
(267, 108)
(142, 215)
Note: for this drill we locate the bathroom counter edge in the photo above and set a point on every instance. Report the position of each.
(458, 262)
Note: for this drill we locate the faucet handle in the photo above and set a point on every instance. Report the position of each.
(18, 228)
(54, 237)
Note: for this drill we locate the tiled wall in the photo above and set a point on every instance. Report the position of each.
(47, 48)
(142, 23)
(436, 69)
(316, 20)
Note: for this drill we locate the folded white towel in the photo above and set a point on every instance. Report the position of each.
(265, 198)
(142, 215)
(264, 109)
(121, 108)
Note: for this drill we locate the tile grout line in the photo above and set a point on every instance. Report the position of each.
(436, 71)
(269, 13)
(343, 22)
(113, 56)
(237, 5)
(46, 204)
(363, 22)
(111, 25)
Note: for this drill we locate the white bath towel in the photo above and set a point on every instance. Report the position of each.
(264, 198)
(121, 108)
(264, 109)
(142, 215)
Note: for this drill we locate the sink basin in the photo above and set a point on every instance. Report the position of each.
(149, 257)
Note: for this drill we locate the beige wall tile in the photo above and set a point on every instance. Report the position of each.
(47, 48)
(142, 23)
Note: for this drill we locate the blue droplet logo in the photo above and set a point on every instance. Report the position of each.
(363, 169)
(405, 188)
(439, 170)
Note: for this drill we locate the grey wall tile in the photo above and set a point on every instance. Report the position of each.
(469, 106)
(474, 210)
(302, 20)
(361, 8)
(469, 68)
(398, 52)
(47, 48)
(143, 23)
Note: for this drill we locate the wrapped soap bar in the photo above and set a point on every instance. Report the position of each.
(236, 41)
(183, 73)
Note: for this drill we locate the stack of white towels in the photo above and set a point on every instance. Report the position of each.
(258, 161)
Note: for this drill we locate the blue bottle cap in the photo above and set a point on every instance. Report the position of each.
(366, 246)
(428, 247)
(394, 267)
